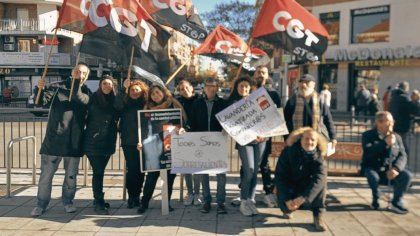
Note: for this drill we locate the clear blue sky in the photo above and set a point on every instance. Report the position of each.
(208, 5)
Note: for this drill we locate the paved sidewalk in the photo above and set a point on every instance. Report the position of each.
(348, 214)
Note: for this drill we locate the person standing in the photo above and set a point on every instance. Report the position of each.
(386, 98)
(325, 95)
(63, 138)
(301, 174)
(384, 161)
(402, 109)
(100, 136)
(250, 154)
(187, 98)
(206, 108)
(159, 98)
(128, 105)
(362, 101)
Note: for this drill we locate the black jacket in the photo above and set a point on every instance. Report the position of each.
(325, 115)
(66, 120)
(305, 173)
(376, 153)
(129, 122)
(199, 120)
(401, 109)
(101, 127)
(187, 104)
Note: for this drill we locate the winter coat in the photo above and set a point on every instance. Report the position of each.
(66, 119)
(199, 121)
(188, 107)
(401, 109)
(101, 127)
(129, 122)
(376, 153)
(298, 170)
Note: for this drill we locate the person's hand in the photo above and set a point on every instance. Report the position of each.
(298, 202)
(390, 140)
(127, 83)
(260, 139)
(139, 146)
(392, 173)
(180, 131)
(290, 205)
(334, 142)
(41, 83)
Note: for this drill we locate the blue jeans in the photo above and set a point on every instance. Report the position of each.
(193, 183)
(250, 159)
(49, 165)
(400, 183)
(221, 188)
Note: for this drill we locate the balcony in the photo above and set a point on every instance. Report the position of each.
(15, 26)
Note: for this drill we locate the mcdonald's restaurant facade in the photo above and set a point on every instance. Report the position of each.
(372, 42)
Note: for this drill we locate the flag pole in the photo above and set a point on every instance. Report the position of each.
(46, 67)
(243, 59)
(72, 79)
(177, 71)
(129, 68)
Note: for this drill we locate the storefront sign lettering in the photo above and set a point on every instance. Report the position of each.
(397, 62)
(377, 53)
(5, 71)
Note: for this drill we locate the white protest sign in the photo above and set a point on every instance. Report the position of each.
(248, 118)
(199, 153)
(281, 129)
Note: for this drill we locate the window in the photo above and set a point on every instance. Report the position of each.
(24, 45)
(331, 22)
(328, 75)
(370, 25)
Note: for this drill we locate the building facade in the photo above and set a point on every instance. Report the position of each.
(372, 42)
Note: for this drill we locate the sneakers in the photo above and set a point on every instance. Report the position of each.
(142, 208)
(270, 200)
(37, 211)
(70, 208)
(206, 208)
(236, 201)
(245, 209)
(133, 202)
(251, 204)
(319, 224)
(101, 209)
(399, 209)
(375, 205)
(188, 201)
(197, 200)
(221, 209)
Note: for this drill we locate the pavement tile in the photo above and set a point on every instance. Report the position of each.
(377, 223)
(5, 209)
(50, 224)
(73, 233)
(32, 233)
(197, 227)
(159, 227)
(235, 228)
(123, 223)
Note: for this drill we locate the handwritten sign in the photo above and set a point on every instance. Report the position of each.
(248, 118)
(199, 153)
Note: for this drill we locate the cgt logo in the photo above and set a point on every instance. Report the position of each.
(283, 21)
(225, 46)
(102, 12)
(177, 6)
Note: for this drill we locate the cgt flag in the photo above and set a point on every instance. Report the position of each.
(178, 14)
(292, 27)
(225, 45)
(112, 27)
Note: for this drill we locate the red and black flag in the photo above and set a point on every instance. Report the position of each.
(225, 45)
(180, 15)
(112, 28)
(292, 27)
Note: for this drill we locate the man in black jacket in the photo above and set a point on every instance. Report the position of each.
(384, 159)
(301, 174)
(63, 138)
(204, 119)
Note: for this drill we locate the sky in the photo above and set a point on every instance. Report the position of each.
(208, 5)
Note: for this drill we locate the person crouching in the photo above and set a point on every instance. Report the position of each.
(301, 174)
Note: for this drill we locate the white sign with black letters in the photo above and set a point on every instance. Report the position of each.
(199, 153)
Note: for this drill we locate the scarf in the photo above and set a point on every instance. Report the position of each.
(299, 109)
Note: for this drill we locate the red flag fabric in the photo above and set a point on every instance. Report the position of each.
(112, 28)
(180, 15)
(225, 45)
(292, 27)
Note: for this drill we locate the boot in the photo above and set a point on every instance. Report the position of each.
(319, 223)
(100, 207)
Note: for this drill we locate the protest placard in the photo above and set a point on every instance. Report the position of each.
(199, 153)
(155, 129)
(248, 118)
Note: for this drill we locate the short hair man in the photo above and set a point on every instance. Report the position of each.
(384, 159)
(63, 138)
(301, 174)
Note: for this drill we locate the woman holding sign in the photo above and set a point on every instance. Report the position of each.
(250, 154)
(128, 105)
(159, 98)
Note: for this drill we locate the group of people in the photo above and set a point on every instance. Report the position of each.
(84, 123)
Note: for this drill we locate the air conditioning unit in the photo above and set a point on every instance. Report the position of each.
(9, 39)
(8, 47)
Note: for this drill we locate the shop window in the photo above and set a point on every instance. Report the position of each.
(24, 45)
(370, 78)
(370, 25)
(328, 76)
(331, 22)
